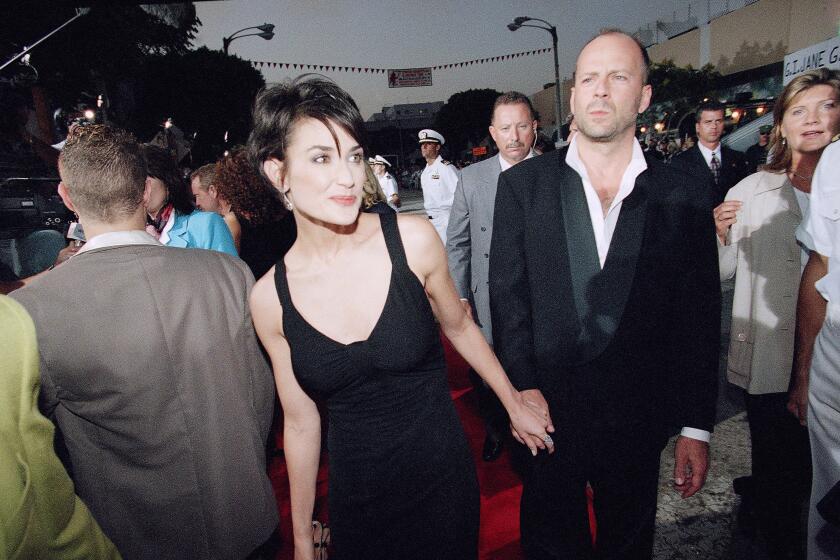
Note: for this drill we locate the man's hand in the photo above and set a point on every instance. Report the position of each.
(465, 303)
(533, 399)
(691, 464)
(798, 400)
(71, 249)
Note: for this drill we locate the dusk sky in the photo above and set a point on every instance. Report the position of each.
(389, 34)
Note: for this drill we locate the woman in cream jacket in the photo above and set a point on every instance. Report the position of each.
(756, 227)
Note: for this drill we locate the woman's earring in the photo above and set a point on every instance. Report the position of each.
(784, 141)
(286, 202)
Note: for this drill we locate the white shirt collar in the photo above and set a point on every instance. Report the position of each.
(707, 153)
(603, 225)
(505, 165)
(116, 238)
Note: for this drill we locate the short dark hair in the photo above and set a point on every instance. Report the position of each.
(278, 109)
(161, 165)
(642, 48)
(205, 175)
(104, 172)
(512, 98)
(710, 105)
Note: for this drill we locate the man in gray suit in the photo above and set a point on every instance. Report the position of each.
(151, 371)
(513, 128)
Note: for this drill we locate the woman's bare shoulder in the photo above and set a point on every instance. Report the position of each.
(264, 301)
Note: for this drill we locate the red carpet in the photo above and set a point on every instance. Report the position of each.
(500, 486)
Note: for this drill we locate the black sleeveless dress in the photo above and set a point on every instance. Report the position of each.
(402, 481)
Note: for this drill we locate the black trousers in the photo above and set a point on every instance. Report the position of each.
(781, 471)
(554, 514)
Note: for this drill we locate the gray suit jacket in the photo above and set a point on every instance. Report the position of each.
(151, 370)
(468, 237)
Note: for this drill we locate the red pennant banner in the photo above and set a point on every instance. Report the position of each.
(368, 70)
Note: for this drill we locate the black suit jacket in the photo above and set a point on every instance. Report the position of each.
(734, 168)
(633, 346)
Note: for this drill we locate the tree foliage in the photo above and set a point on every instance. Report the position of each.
(98, 50)
(672, 83)
(206, 92)
(465, 117)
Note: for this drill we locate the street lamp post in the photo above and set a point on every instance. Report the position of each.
(558, 99)
(266, 32)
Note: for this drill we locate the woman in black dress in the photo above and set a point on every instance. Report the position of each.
(348, 316)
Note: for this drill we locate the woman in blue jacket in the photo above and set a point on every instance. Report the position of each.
(172, 217)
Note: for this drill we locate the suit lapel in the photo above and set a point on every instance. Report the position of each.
(490, 176)
(611, 288)
(582, 251)
(600, 294)
(700, 163)
(178, 233)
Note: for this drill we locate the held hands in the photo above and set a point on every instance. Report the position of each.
(725, 216)
(690, 465)
(530, 422)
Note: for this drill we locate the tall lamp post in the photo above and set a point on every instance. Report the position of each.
(558, 100)
(266, 32)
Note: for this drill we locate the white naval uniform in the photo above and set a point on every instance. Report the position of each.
(823, 225)
(438, 182)
(389, 187)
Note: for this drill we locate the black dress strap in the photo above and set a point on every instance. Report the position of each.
(282, 286)
(393, 241)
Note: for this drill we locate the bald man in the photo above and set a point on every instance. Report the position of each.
(605, 305)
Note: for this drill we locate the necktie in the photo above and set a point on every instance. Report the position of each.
(714, 165)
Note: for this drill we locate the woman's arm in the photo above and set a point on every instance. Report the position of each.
(235, 229)
(810, 314)
(427, 258)
(301, 421)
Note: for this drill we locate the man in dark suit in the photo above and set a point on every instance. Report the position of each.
(717, 165)
(151, 370)
(605, 304)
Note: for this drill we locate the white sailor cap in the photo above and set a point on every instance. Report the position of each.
(371, 161)
(380, 159)
(429, 135)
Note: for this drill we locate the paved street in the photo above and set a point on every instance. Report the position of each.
(412, 201)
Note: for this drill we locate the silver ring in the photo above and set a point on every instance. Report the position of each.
(547, 440)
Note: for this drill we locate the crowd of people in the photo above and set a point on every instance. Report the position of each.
(583, 288)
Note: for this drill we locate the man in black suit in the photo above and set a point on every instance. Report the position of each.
(719, 166)
(605, 305)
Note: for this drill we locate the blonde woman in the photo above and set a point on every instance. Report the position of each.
(756, 228)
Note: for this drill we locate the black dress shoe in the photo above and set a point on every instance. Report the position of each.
(492, 448)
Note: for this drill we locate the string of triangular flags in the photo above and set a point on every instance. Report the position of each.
(369, 70)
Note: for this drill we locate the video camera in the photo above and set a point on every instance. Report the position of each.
(28, 204)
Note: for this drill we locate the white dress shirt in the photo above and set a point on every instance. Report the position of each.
(707, 154)
(116, 238)
(603, 225)
(505, 164)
